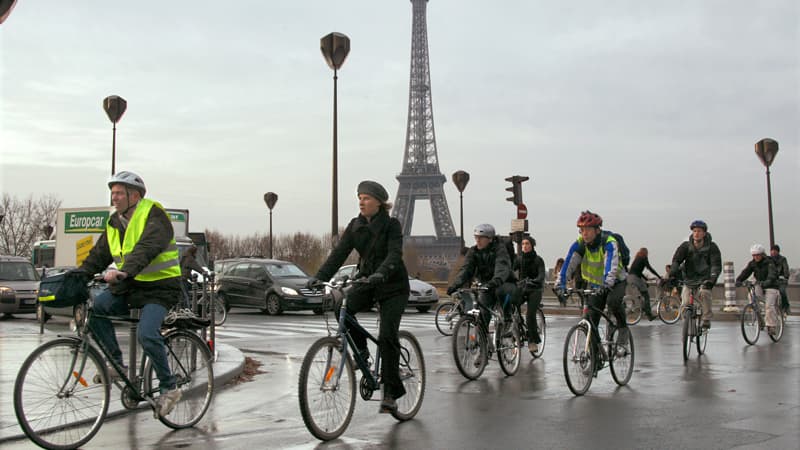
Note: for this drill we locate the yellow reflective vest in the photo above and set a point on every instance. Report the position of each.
(165, 265)
(593, 263)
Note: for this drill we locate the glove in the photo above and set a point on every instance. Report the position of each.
(312, 283)
(738, 283)
(602, 291)
(376, 278)
(451, 290)
(492, 284)
(708, 284)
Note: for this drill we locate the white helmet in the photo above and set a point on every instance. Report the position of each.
(484, 229)
(758, 249)
(128, 179)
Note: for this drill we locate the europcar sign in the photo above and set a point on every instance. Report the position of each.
(85, 221)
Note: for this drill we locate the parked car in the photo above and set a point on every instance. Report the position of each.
(19, 285)
(270, 285)
(423, 295)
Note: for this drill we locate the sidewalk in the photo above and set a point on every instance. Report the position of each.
(18, 338)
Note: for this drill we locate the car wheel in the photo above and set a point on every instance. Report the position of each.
(317, 311)
(273, 306)
(423, 309)
(224, 299)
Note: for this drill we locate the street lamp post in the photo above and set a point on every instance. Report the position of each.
(115, 107)
(766, 150)
(270, 198)
(460, 179)
(334, 48)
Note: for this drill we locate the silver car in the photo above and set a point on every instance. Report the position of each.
(19, 285)
(423, 295)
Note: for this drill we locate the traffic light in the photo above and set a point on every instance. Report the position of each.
(516, 188)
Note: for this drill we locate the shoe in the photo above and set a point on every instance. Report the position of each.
(388, 405)
(706, 324)
(113, 375)
(652, 318)
(771, 330)
(533, 348)
(168, 400)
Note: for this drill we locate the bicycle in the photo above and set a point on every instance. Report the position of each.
(668, 305)
(447, 315)
(62, 390)
(585, 353)
(327, 383)
(752, 318)
(633, 305)
(470, 342)
(518, 314)
(693, 329)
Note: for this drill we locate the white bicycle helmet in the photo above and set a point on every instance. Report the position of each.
(484, 229)
(758, 249)
(128, 179)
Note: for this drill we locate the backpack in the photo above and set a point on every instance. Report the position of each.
(624, 251)
(512, 253)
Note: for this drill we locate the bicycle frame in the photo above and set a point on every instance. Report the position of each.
(595, 331)
(756, 302)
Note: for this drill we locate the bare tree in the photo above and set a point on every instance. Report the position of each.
(25, 222)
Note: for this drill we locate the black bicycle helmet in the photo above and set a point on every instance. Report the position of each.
(698, 224)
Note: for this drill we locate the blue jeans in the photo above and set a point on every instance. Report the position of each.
(148, 333)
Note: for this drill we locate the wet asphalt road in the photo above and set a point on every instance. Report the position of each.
(735, 396)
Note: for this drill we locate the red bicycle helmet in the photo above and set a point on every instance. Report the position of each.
(589, 219)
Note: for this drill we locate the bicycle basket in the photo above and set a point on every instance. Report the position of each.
(64, 289)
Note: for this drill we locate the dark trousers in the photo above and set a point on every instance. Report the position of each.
(391, 311)
(503, 294)
(534, 298)
(616, 307)
(784, 297)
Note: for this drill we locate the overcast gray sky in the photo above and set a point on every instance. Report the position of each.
(645, 112)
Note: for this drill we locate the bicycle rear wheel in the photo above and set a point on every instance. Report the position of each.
(622, 356)
(57, 403)
(750, 326)
(579, 357)
(633, 309)
(669, 309)
(190, 361)
(688, 333)
(508, 348)
(220, 313)
(701, 337)
(412, 374)
(469, 347)
(327, 398)
(446, 316)
(776, 336)
(540, 322)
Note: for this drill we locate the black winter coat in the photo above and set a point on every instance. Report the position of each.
(491, 263)
(765, 272)
(156, 237)
(699, 264)
(379, 244)
(530, 265)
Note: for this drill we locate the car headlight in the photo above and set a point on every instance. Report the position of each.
(5, 290)
(289, 291)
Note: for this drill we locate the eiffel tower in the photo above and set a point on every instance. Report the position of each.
(421, 178)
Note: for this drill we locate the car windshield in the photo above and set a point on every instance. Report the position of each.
(18, 271)
(285, 271)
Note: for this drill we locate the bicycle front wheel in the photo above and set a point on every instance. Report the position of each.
(669, 309)
(190, 361)
(579, 357)
(56, 399)
(412, 374)
(621, 356)
(508, 348)
(540, 322)
(327, 396)
(687, 334)
(750, 326)
(633, 309)
(220, 313)
(469, 347)
(446, 317)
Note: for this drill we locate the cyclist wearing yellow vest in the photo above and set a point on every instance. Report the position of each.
(599, 262)
(139, 240)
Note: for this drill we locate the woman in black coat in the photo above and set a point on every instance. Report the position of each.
(531, 276)
(378, 239)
